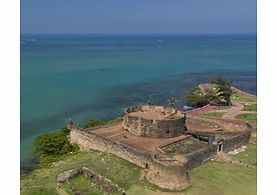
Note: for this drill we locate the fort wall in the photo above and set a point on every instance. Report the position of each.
(88, 140)
(194, 159)
(217, 123)
(236, 141)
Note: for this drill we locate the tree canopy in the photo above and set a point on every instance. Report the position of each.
(49, 147)
(219, 92)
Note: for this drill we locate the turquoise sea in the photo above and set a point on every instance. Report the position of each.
(97, 76)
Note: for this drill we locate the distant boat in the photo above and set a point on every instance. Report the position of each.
(159, 40)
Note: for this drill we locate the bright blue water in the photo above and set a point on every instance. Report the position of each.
(96, 76)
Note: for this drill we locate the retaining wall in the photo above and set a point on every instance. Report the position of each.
(236, 141)
(101, 181)
(200, 156)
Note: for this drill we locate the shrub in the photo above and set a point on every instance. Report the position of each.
(197, 97)
(224, 88)
(220, 93)
(49, 147)
(93, 123)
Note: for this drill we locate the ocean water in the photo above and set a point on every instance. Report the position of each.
(97, 76)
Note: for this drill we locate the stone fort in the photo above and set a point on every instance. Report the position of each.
(166, 142)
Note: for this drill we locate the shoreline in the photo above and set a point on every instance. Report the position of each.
(159, 91)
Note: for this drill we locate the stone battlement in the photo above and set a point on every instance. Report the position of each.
(154, 121)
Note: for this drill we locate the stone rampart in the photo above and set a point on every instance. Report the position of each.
(89, 140)
(171, 126)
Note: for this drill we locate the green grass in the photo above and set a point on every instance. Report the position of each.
(116, 169)
(215, 178)
(41, 191)
(212, 178)
(249, 156)
(83, 185)
(186, 146)
(247, 117)
(235, 96)
(252, 107)
(213, 114)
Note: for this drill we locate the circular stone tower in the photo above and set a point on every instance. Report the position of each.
(154, 121)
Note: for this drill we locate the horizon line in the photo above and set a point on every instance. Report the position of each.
(155, 33)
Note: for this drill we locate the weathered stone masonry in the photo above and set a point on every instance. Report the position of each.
(89, 140)
(101, 181)
(170, 123)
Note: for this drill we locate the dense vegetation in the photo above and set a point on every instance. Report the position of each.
(51, 147)
(197, 97)
(219, 93)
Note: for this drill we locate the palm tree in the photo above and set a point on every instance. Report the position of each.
(216, 95)
(172, 101)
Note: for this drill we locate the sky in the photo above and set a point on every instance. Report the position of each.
(137, 16)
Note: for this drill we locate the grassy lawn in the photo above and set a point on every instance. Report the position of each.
(43, 181)
(186, 146)
(235, 96)
(215, 178)
(249, 156)
(82, 185)
(247, 117)
(212, 178)
(213, 114)
(252, 107)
